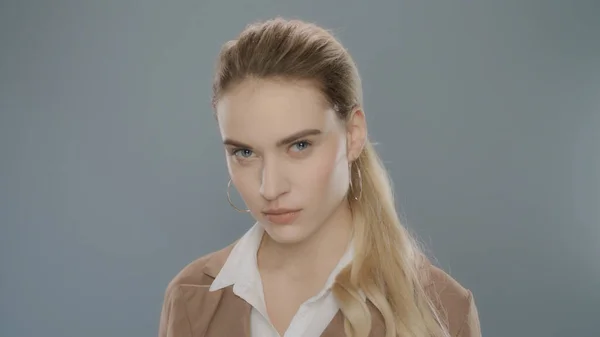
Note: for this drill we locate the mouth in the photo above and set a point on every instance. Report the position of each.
(282, 217)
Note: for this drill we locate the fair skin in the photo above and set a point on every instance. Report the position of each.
(287, 149)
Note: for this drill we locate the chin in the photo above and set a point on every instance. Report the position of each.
(286, 234)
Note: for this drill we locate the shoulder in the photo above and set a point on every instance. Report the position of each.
(202, 270)
(190, 284)
(454, 301)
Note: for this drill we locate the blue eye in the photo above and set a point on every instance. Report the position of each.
(301, 145)
(244, 153)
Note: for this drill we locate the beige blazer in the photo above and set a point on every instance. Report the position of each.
(190, 310)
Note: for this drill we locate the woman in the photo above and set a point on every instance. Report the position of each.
(327, 255)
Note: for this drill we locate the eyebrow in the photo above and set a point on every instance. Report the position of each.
(287, 140)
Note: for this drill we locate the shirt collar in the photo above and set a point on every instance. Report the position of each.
(241, 263)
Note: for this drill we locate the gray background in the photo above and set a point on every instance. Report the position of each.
(112, 176)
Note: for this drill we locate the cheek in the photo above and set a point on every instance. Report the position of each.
(329, 174)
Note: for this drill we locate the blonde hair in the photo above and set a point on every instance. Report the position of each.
(387, 263)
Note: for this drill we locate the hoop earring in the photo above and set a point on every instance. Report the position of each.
(231, 203)
(357, 198)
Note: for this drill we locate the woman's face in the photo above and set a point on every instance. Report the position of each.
(288, 154)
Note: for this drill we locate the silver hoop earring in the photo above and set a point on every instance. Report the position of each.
(357, 198)
(231, 203)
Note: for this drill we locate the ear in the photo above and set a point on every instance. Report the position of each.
(356, 134)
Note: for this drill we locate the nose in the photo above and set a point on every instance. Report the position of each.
(273, 183)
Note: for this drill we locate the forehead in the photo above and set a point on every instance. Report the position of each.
(266, 110)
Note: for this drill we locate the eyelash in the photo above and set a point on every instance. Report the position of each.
(237, 150)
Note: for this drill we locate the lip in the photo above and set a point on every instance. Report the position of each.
(282, 216)
(277, 211)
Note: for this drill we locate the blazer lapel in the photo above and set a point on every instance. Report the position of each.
(221, 312)
(231, 317)
(336, 327)
(201, 308)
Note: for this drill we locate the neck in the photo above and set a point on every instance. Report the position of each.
(317, 255)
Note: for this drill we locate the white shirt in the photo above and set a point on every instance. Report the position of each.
(241, 271)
